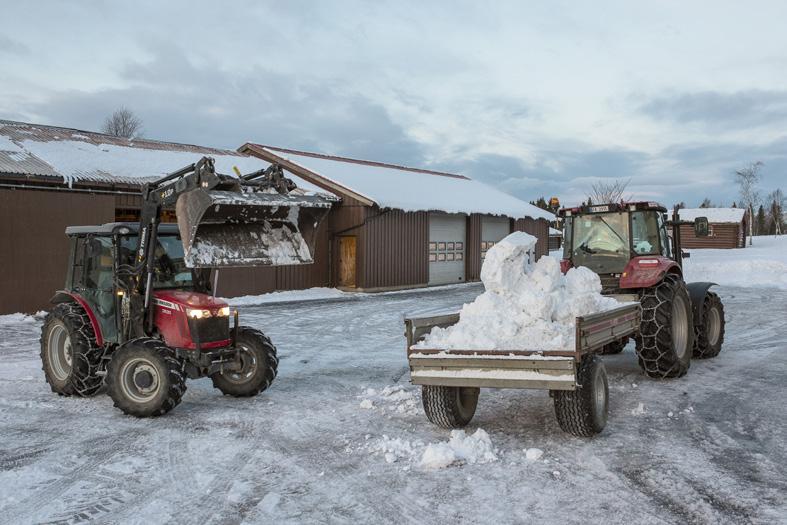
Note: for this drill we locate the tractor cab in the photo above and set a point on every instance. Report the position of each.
(629, 245)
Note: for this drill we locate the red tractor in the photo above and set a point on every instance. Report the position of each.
(138, 312)
(636, 251)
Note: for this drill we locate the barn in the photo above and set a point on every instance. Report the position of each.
(400, 227)
(53, 177)
(728, 228)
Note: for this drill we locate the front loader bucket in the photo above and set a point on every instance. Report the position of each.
(222, 229)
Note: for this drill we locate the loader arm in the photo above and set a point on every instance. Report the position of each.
(223, 221)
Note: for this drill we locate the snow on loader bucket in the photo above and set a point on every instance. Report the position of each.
(233, 229)
(452, 378)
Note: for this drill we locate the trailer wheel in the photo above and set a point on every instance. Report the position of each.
(615, 347)
(70, 355)
(259, 365)
(449, 406)
(145, 378)
(709, 335)
(583, 412)
(666, 334)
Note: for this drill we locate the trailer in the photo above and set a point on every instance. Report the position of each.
(451, 379)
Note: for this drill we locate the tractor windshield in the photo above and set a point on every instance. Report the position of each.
(170, 269)
(601, 242)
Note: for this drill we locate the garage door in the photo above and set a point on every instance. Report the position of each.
(446, 248)
(493, 230)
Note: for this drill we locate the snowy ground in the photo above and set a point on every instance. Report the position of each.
(340, 437)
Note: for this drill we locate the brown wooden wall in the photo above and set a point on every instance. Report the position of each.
(34, 243)
(395, 250)
(473, 248)
(722, 236)
(538, 228)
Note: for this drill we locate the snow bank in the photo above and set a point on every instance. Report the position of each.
(9, 319)
(311, 294)
(763, 265)
(525, 305)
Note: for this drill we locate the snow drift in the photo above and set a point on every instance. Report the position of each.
(525, 305)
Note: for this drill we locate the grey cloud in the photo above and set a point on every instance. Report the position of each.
(749, 108)
(12, 47)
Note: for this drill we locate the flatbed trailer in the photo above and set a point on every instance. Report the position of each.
(576, 379)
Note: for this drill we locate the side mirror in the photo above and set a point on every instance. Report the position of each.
(701, 227)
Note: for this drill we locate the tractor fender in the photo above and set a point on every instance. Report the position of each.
(64, 296)
(697, 293)
(647, 271)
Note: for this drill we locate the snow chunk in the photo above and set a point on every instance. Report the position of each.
(534, 454)
(460, 448)
(524, 303)
(639, 410)
(367, 404)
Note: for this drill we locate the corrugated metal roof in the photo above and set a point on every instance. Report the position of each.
(35, 150)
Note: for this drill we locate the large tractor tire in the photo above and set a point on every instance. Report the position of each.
(583, 412)
(145, 378)
(666, 335)
(615, 347)
(449, 406)
(259, 365)
(70, 355)
(709, 335)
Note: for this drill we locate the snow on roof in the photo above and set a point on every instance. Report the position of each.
(401, 187)
(715, 215)
(554, 231)
(84, 156)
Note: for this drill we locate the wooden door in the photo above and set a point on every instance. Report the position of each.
(347, 261)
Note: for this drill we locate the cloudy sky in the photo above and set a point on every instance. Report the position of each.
(540, 98)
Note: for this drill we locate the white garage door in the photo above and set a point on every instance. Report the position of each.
(493, 229)
(446, 248)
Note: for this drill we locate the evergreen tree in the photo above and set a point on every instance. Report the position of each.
(706, 203)
(761, 223)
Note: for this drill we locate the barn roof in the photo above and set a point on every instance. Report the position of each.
(398, 187)
(714, 215)
(71, 155)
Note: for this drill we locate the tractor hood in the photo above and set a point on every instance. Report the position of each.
(182, 299)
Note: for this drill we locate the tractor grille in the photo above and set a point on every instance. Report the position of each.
(210, 329)
(610, 283)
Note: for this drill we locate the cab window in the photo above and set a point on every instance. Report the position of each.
(645, 238)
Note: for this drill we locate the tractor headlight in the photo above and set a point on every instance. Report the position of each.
(223, 312)
(198, 314)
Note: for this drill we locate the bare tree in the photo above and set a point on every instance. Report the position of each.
(604, 191)
(747, 179)
(776, 202)
(123, 123)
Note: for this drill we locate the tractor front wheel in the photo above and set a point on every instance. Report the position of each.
(258, 365)
(666, 334)
(145, 378)
(70, 355)
(709, 335)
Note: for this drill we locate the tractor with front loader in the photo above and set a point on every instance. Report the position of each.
(636, 251)
(139, 312)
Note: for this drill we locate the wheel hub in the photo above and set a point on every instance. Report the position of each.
(145, 379)
(139, 380)
(60, 350)
(247, 366)
(714, 326)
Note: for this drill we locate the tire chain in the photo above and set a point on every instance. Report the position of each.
(87, 364)
(657, 360)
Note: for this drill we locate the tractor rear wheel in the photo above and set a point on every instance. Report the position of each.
(449, 406)
(145, 378)
(70, 355)
(259, 365)
(583, 412)
(709, 335)
(666, 334)
(614, 347)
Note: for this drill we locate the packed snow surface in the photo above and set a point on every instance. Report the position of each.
(525, 306)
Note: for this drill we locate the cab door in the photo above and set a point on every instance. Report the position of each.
(97, 286)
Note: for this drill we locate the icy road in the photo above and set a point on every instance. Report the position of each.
(330, 443)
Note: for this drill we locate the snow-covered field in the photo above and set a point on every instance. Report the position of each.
(340, 437)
